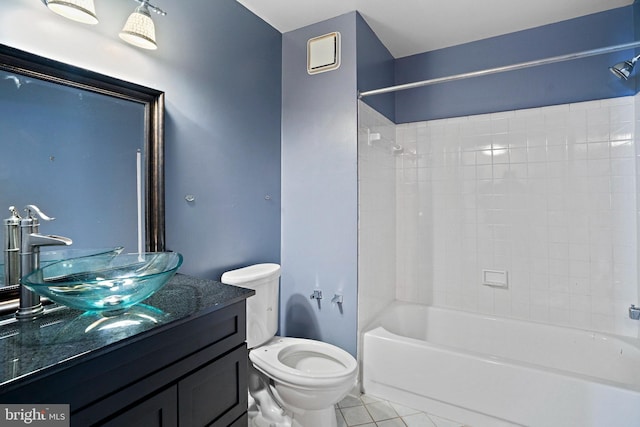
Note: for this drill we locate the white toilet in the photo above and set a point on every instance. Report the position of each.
(293, 381)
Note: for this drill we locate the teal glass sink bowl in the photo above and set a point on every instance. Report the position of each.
(105, 282)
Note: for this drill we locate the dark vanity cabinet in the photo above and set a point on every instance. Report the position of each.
(190, 372)
(214, 394)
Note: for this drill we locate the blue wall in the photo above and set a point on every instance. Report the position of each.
(228, 155)
(376, 68)
(573, 81)
(319, 189)
(220, 67)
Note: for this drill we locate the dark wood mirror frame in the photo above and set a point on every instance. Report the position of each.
(31, 65)
(28, 64)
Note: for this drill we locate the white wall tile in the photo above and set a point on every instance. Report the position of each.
(549, 194)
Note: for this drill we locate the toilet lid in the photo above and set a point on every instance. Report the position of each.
(250, 274)
(304, 362)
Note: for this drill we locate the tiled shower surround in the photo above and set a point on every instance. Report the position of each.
(547, 195)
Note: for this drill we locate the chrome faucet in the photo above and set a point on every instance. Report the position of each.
(30, 242)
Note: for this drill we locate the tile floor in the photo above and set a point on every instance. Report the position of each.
(368, 411)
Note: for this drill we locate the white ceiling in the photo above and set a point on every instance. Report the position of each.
(407, 27)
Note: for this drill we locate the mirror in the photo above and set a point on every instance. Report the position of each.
(69, 139)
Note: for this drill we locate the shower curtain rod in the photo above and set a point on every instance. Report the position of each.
(502, 69)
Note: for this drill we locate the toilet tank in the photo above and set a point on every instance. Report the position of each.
(262, 308)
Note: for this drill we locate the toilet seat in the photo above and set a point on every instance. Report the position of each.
(304, 363)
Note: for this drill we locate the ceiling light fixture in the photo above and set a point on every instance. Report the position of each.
(78, 10)
(139, 29)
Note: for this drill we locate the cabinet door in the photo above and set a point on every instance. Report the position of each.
(216, 394)
(243, 421)
(160, 410)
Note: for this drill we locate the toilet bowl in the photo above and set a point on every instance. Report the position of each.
(308, 377)
(293, 381)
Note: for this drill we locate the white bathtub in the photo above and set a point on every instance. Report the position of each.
(489, 371)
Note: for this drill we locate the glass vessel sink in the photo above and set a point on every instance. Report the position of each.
(105, 282)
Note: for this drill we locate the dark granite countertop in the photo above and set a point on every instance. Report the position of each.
(64, 337)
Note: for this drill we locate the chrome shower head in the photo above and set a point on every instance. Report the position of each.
(622, 70)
